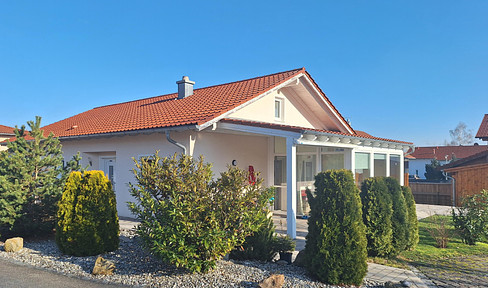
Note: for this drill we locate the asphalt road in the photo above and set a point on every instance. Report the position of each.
(22, 276)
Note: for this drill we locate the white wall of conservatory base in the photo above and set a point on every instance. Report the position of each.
(217, 148)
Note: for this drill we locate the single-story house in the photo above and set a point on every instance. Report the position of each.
(483, 130)
(444, 154)
(281, 125)
(5, 133)
(470, 175)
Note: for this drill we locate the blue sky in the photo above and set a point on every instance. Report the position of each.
(407, 70)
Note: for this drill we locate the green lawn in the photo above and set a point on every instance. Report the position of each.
(427, 252)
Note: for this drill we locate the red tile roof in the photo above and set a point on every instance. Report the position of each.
(6, 130)
(166, 110)
(206, 104)
(440, 152)
(483, 130)
(298, 129)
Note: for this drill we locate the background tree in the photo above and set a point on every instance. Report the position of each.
(461, 135)
(32, 180)
(431, 171)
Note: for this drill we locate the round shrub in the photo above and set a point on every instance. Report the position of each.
(335, 250)
(377, 213)
(413, 224)
(399, 222)
(188, 219)
(87, 221)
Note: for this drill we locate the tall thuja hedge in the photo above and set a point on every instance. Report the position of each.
(413, 225)
(87, 217)
(336, 243)
(399, 218)
(377, 215)
(187, 218)
(32, 178)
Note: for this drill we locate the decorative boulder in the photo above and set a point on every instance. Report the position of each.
(14, 244)
(103, 267)
(273, 281)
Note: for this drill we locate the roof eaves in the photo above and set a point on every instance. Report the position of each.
(130, 132)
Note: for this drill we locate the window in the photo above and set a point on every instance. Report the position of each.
(279, 109)
(362, 167)
(395, 166)
(379, 165)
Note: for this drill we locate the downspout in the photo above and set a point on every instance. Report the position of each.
(453, 188)
(168, 137)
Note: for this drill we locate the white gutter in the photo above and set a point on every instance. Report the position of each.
(129, 133)
(172, 141)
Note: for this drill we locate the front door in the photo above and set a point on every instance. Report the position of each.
(109, 169)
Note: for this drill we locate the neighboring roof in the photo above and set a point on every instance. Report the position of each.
(440, 152)
(206, 104)
(478, 158)
(359, 134)
(5, 130)
(483, 130)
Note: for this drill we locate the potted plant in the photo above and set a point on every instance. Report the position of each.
(285, 246)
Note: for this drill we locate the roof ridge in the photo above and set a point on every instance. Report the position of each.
(206, 87)
(257, 77)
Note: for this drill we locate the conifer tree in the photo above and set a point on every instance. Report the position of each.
(377, 213)
(399, 218)
(335, 250)
(32, 177)
(413, 226)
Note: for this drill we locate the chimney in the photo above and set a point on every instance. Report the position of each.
(185, 87)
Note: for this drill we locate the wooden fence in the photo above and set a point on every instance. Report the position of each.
(432, 193)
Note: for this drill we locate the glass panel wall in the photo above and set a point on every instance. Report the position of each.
(380, 165)
(332, 161)
(306, 170)
(280, 182)
(395, 166)
(362, 167)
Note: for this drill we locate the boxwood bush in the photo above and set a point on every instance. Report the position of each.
(187, 218)
(377, 213)
(335, 248)
(87, 221)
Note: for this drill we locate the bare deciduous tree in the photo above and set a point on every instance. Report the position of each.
(461, 135)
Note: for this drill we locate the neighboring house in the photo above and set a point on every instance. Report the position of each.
(470, 174)
(5, 133)
(444, 154)
(281, 125)
(483, 130)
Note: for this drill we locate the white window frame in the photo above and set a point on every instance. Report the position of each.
(281, 110)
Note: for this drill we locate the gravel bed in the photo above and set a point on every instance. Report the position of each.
(134, 267)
